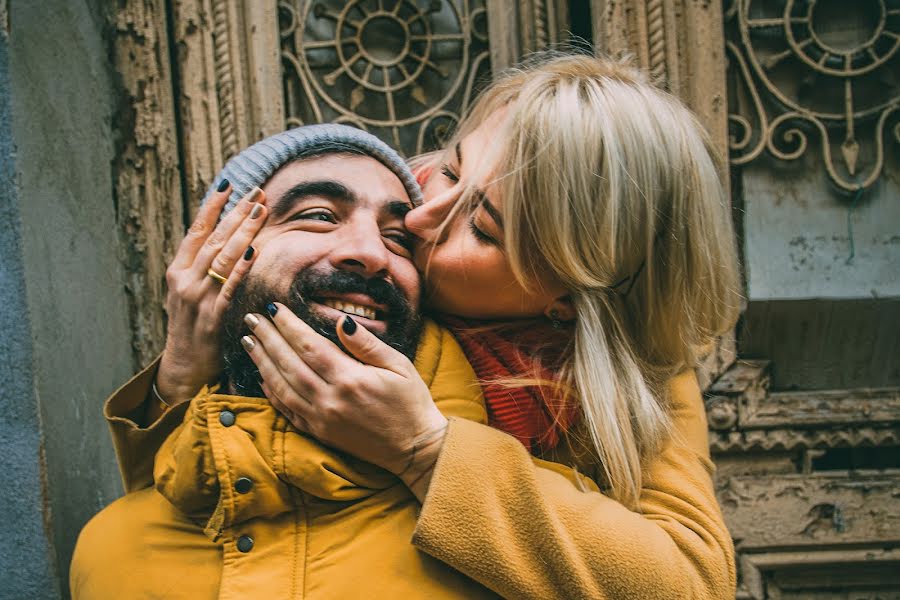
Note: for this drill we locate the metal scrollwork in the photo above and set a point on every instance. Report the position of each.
(403, 69)
(815, 70)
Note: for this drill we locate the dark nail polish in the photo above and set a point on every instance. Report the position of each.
(257, 210)
(223, 185)
(272, 309)
(349, 326)
(248, 254)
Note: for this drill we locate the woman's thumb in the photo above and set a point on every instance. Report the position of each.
(366, 347)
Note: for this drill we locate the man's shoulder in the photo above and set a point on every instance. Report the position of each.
(446, 371)
(430, 349)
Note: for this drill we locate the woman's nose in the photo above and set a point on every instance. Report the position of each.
(425, 221)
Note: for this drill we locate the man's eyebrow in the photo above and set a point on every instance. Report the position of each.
(325, 187)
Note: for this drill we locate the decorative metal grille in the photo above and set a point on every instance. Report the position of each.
(403, 69)
(826, 69)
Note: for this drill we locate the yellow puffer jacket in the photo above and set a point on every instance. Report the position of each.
(247, 507)
(523, 527)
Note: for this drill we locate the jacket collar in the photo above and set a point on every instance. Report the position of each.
(199, 466)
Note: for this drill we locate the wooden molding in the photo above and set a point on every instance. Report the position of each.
(860, 573)
(229, 82)
(792, 439)
(520, 28)
(680, 43)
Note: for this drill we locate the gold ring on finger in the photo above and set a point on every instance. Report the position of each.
(218, 277)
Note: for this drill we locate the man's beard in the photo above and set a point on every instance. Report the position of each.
(404, 324)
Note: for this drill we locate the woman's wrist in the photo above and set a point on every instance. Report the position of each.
(417, 475)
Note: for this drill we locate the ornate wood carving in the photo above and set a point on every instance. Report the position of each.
(816, 68)
(519, 28)
(808, 485)
(403, 70)
(229, 82)
(679, 43)
(792, 439)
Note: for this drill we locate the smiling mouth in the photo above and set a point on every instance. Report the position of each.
(350, 308)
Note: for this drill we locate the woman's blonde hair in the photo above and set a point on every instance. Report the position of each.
(611, 184)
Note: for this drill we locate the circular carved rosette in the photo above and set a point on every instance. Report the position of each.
(827, 68)
(400, 68)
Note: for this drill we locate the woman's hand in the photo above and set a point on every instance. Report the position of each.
(374, 406)
(196, 302)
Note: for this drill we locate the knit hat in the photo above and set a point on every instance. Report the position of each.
(255, 165)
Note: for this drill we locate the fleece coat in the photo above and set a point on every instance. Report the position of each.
(496, 521)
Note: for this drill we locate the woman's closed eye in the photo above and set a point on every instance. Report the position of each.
(480, 235)
(449, 173)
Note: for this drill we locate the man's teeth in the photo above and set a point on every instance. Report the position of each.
(351, 309)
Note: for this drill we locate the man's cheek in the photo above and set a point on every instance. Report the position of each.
(411, 284)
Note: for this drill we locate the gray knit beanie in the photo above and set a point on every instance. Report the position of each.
(255, 165)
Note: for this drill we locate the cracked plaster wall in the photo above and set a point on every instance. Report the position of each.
(66, 336)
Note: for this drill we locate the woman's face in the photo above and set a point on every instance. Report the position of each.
(466, 271)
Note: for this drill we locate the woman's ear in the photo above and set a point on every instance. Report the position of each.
(561, 309)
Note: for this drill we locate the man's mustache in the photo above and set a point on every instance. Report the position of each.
(381, 291)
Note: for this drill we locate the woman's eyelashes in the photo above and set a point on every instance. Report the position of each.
(449, 173)
(480, 235)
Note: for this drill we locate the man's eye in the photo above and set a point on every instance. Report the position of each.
(449, 173)
(325, 216)
(401, 239)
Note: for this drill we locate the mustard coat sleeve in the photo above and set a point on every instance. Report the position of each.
(528, 531)
(136, 445)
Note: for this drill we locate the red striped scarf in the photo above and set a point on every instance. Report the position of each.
(536, 415)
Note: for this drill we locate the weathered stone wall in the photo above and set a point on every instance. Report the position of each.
(29, 551)
(65, 313)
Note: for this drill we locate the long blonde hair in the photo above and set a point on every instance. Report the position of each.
(611, 184)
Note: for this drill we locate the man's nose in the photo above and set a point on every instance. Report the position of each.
(425, 221)
(362, 250)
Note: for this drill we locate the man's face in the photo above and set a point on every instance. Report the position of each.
(334, 243)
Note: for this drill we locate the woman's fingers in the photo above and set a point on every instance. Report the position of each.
(270, 352)
(318, 352)
(280, 392)
(297, 419)
(368, 348)
(216, 242)
(240, 239)
(234, 279)
(202, 227)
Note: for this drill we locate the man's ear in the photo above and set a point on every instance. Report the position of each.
(561, 309)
